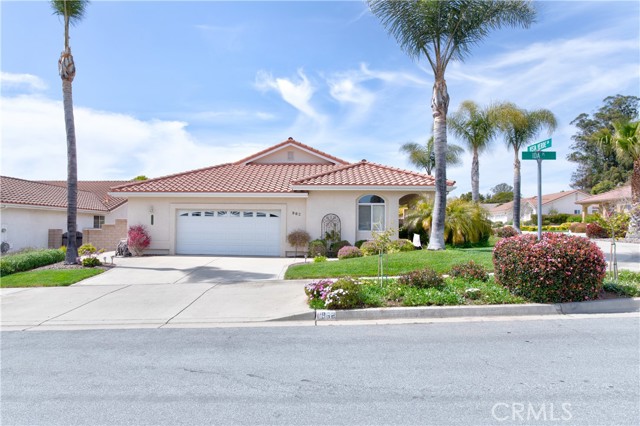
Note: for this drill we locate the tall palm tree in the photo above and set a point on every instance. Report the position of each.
(72, 11)
(626, 142)
(519, 127)
(423, 156)
(441, 31)
(474, 125)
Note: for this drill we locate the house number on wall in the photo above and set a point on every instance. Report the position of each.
(296, 213)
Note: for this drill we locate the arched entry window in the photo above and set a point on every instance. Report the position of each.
(371, 213)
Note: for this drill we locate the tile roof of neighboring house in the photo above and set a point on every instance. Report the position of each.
(618, 194)
(42, 194)
(240, 177)
(547, 198)
(100, 188)
(292, 142)
(506, 207)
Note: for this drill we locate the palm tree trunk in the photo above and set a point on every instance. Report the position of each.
(439, 106)
(516, 191)
(633, 232)
(475, 176)
(66, 68)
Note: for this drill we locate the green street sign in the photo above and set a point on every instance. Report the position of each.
(540, 146)
(543, 155)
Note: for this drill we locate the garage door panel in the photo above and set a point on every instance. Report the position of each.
(228, 232)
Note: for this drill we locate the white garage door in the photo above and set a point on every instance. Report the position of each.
(228, 232)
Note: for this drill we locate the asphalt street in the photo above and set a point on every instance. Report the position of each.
(570, 371)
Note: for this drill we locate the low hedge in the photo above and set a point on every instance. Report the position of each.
(26, 261)
(558, 268)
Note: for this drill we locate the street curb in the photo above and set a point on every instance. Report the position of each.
(608, 306)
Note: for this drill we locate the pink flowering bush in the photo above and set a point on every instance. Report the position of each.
(347, 252)
(318, 290)
(506, 232)
(344, 294)
(138, 239)
(470, 271)
(558, 268)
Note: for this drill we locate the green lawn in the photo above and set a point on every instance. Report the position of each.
(48, 277)
(395, 264)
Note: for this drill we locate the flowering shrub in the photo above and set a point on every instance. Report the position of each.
(470, 271)
(401, 246)
(595, 230)
(348, 252)
(423, 278)
(344, 294)
(318, 289)
(335, 247)
(138, 239)
(579, 228)
(506, 232)
(317, 248)
(369, 248)
(558, 268)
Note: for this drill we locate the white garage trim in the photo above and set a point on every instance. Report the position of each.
(228, 232)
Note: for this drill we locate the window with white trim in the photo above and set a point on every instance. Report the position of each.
(371, 216)
(98, 221)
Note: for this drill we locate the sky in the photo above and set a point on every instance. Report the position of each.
(169, 86)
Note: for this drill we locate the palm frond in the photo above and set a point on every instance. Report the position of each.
(73, 9)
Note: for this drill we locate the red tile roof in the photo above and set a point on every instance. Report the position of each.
(100, 188)
(290, 142)
(42, 194)
(365, 173)
(617, 194)
(240, 177)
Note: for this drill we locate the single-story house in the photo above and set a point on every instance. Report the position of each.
(34, 213)
(615, 201)
(567, 202)
(250, 206)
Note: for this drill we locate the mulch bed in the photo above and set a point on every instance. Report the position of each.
(62, 265)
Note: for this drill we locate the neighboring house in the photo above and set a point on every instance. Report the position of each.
(614, 201)
(559, 202)
(504, 212)
(250, 206)
(34, 213)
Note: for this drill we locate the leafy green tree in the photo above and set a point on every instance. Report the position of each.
(442, 31)
(501, 193)
(72, 11)
(465, 222)
(626, 142)
(601, 187)
(140, 178)
(424, 157)
(597, 161)
(468, 196)
(520, 127)
(476, 127)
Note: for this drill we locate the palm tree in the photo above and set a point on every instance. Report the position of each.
(423, 157)
(72, 11)
(441, 31)
(519, 128)
(474, 125)
(465, 222)
(626, 142)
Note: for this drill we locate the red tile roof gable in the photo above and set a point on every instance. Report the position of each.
(291, 142)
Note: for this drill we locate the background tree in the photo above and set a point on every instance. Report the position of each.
(501, 193)
(441, 31)
(599, 168)
(520, 128)
(424, 157)
(476, 127)
(72, 11)
(626, 142)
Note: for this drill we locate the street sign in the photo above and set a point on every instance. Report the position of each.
(543, 155)
(540, 146)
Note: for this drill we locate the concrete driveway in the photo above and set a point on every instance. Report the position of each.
(161, 291)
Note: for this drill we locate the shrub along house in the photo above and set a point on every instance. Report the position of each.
(250, 206)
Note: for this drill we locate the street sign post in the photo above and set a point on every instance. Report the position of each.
(539, 146)
(542, 155)
(534, 152)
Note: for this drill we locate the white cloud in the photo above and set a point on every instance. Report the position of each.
(22, 81)
(109, 145)
(296, 93)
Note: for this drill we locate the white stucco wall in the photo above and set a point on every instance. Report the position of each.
(297, 213)
(565, 204)
(29, 227)
(299, 156)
